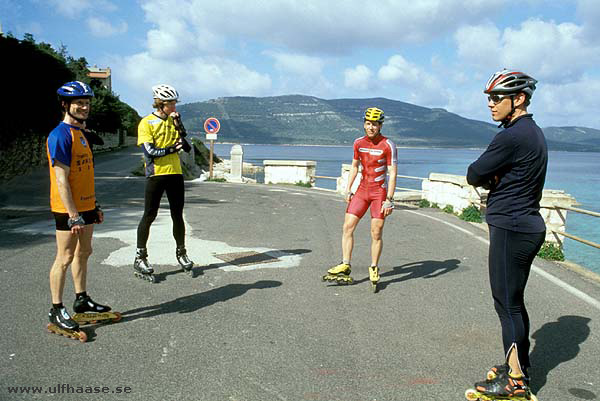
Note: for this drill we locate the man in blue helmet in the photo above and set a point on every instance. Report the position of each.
(73, 203)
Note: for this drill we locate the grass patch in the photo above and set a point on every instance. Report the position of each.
(449, 209)
(551, 251)
(424, 203)
(471, 214)
(216, 180)
(303, 184)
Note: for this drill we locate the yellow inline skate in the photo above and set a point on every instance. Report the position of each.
(339, 274)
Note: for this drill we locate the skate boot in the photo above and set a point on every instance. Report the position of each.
(88, 311)
(505, 386)
(339, 274)
(503, 370)
(374, 277)
(141, 266)
(62, 323)
(186, 264)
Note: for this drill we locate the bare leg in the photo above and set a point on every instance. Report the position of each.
(65, 250)
(80, 259)
(350, 223)
(376, 240)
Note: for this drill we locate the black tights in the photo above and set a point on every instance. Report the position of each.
(510, 257)
(155, 187)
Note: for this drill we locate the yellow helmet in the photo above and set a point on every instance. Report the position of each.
(374, 114)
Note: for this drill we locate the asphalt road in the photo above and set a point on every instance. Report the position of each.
(255, 322)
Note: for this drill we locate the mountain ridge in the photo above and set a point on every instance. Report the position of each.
(295, 119)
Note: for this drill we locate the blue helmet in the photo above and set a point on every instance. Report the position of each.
(75, 89)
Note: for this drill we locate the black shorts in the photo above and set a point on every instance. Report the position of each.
(62, 219)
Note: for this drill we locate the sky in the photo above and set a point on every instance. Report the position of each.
(433, 53)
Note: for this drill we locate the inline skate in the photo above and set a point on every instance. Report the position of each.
(61, 323)
(88, 311)
(339, 274)
(374, 277)
(142, 268)
(184, 261)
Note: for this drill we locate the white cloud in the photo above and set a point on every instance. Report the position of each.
(548, 51)
(102, 28)
(589, 12)
(295, 63)
(358, 77)
(479, 45)
(572, 103)
(77, 8)
(552, 52)
(315, 26)
(197, 77)
(415, 84)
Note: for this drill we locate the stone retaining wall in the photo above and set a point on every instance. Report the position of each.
(28, 151)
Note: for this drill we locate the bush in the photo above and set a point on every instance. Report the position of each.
(550, 251)
(435, 205)
(303, 184)
(449, 209)
(216, 180)
(424, 203)
(471, 214)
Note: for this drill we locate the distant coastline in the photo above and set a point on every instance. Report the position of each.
(397, 146)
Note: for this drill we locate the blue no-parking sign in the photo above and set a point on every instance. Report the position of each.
(212, 125)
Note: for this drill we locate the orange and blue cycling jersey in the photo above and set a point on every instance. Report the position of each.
(375, 155)
(68, 145)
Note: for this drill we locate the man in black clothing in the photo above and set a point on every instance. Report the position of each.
(513, 168)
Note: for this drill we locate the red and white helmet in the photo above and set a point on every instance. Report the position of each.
(510, 82)
(165, 92)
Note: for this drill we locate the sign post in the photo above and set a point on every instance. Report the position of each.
(211, 127)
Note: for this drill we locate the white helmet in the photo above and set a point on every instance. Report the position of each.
(165, 92)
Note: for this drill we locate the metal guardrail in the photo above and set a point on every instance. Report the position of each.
(410, 177)
(558, 208)
(571, 236)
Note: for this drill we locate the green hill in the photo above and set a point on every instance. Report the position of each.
(297, 119)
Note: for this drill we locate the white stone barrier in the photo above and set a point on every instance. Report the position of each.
(555, 218)
(342, 180)
(453, 190)
(450, 189)
(237, 157)
(290, 171)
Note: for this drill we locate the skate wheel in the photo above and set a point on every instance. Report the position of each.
(117, 317)
(471, 395)
(151, 278)
(82, 336)
(533, 398)
(374, 287)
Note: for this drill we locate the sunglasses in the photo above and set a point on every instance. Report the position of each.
(497, 98)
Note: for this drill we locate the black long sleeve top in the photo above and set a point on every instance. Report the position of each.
(518, 157)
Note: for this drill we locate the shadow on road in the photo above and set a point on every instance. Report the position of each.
(555, 343)
(192, 303)
(424, 269)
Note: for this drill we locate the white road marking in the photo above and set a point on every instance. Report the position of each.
(567, 287)
(161, 244)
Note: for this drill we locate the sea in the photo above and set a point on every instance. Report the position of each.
(576, 173)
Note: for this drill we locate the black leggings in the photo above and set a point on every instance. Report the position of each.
(155, 187)
(510, 257)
